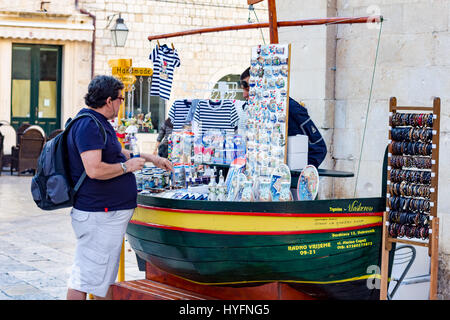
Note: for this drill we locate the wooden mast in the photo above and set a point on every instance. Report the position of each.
(292, 23)
(273, 23)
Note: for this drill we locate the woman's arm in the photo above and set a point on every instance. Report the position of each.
(126, 153)
(160, 162)
(155, 151)
(97, 169)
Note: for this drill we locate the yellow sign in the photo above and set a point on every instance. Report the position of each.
(121, 71)
(145, 72)
(120, 63)
(128, 79)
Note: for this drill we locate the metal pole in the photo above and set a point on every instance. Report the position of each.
(121, 273)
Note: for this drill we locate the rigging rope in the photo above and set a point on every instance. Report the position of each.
(250, 8)
(368, 106)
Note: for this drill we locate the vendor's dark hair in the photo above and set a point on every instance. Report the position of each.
(245, 74)
(100, 88)
(168, 123)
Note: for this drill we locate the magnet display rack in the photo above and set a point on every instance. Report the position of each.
(412, 185)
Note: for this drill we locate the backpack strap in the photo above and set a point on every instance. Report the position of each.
(99, 124)
(80, 181)
(70, 122)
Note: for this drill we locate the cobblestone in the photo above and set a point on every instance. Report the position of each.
(37, 247)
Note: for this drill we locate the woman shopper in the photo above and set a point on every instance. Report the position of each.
(107, 197)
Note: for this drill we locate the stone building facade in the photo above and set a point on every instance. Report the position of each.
(332, 72)
(25, 26)
(331, 67)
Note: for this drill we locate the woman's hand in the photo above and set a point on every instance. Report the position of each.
(158, 161)
(135, 164)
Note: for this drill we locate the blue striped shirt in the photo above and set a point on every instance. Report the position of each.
(178, 113)
(219, 114)
(165, 60)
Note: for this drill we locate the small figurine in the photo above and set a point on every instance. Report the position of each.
(121, 132)
(264, 191)
(285, 193)
(140, 120)
(247, 192)
(132, 127)
(148, 121)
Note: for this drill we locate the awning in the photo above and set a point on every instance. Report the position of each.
(46, 30)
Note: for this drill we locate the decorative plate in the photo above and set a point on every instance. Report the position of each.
(308, 183)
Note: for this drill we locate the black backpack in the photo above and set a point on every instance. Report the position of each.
(51, 186)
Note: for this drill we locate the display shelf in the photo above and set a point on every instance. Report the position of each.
(412, 184)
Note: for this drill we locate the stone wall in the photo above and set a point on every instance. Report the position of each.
(204, 58)
(312, 71)
(413, 65)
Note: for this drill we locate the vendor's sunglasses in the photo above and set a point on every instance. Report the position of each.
(244, 84)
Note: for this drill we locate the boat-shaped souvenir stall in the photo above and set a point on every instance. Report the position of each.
(328, 249)
(261, 222)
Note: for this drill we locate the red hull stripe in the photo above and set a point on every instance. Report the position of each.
(266, 214)
(255, 232)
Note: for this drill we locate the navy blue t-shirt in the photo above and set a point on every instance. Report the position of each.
(119, 193)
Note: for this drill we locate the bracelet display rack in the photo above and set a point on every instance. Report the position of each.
(412, 185)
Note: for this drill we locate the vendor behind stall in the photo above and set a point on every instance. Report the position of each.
(299, 123)
(162, 141)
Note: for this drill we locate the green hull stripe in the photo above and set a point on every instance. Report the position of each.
(354, 205)
(226, 259)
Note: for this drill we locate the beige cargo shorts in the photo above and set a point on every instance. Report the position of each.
(99, 242)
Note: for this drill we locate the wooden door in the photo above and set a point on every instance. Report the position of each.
(36, 86)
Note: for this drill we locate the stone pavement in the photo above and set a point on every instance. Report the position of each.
(37, 247)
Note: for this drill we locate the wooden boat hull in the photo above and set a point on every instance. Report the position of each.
(326, 248)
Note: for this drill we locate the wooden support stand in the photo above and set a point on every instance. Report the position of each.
(433, 238)
(160, 285)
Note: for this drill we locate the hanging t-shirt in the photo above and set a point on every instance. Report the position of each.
(165, 60)
(219, 114)
(178, 113)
